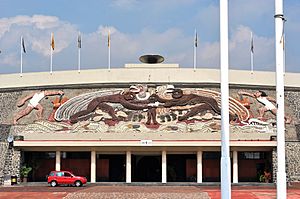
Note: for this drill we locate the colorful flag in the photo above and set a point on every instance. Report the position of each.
(108, 39)
(79, 41)
(52, 41)
(23, 45)
(196, 39)
(252, 45)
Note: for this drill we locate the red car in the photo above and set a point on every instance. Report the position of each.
(65, 177)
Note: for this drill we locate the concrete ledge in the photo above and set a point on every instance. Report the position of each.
(143, 75)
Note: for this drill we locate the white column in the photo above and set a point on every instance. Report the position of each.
(93, 166)
(224, 65)
(128, 166)
(164, 166)
(57, 161)
(235, 167)
(199, 166)
(279, 44)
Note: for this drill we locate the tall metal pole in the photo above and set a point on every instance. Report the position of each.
(51, 55)
(21, 52)
(78, 60)
(224, 59)
(281, 173)
(251, 53)
(195, 50)
(79, 41)
(108, 50)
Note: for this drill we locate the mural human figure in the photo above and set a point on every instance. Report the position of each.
(33, 103)
(57, 102)
(265, 100)
(201, 103)
(127, 100)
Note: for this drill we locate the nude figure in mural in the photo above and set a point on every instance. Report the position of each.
(33, 103)
(266, 100)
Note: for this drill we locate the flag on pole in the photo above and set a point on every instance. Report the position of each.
(79, 41)
(108, 39)
(195, 49)
(23, 45)
(252, 53)
(196, 39)
(52, 41)
(252, 44)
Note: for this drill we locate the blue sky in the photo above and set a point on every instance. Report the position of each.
(138, 27)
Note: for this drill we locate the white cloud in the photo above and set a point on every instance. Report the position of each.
(240, 50)
(172, 43)
(36, 30)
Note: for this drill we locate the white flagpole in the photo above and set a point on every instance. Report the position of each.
(79, 47)
(78, 60)
(51, 55)
(51, 52)
(21, 53)
(108, 50)
(195, 50)
(281, 170)
(251, 53)
(224, 71)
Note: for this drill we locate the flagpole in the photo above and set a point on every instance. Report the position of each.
(79, 47)
(225, 133)
(251, 54)
(195, 50)
(78, 60)
(280, 62)
(108, 50)
(51, 54)
(21, 54)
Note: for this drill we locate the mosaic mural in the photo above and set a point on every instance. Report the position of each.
(147, 109)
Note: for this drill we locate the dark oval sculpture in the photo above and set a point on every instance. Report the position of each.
(151, 59)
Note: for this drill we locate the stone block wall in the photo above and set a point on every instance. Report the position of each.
(293, 161)
(3, 152)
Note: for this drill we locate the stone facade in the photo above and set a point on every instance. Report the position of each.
(10, 159)
(293, 161)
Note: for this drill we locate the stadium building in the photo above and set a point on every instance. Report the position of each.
(144, 123)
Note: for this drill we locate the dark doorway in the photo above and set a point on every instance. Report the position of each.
(182, 168)
(41, 163)
(111, 168)
(211, 166)
(253, 164)
(146, 168)
(78, 163)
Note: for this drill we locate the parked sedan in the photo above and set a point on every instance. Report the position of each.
(65, 178)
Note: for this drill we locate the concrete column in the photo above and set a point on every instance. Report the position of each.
(57, 161)
(199, 166)
(235, 167)
(128, 166)
(93, 166)
(164, 166)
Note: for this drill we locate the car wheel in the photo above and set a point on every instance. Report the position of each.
(53, 183)
(78, 183)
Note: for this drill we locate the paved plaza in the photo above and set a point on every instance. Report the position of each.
(140, 192)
